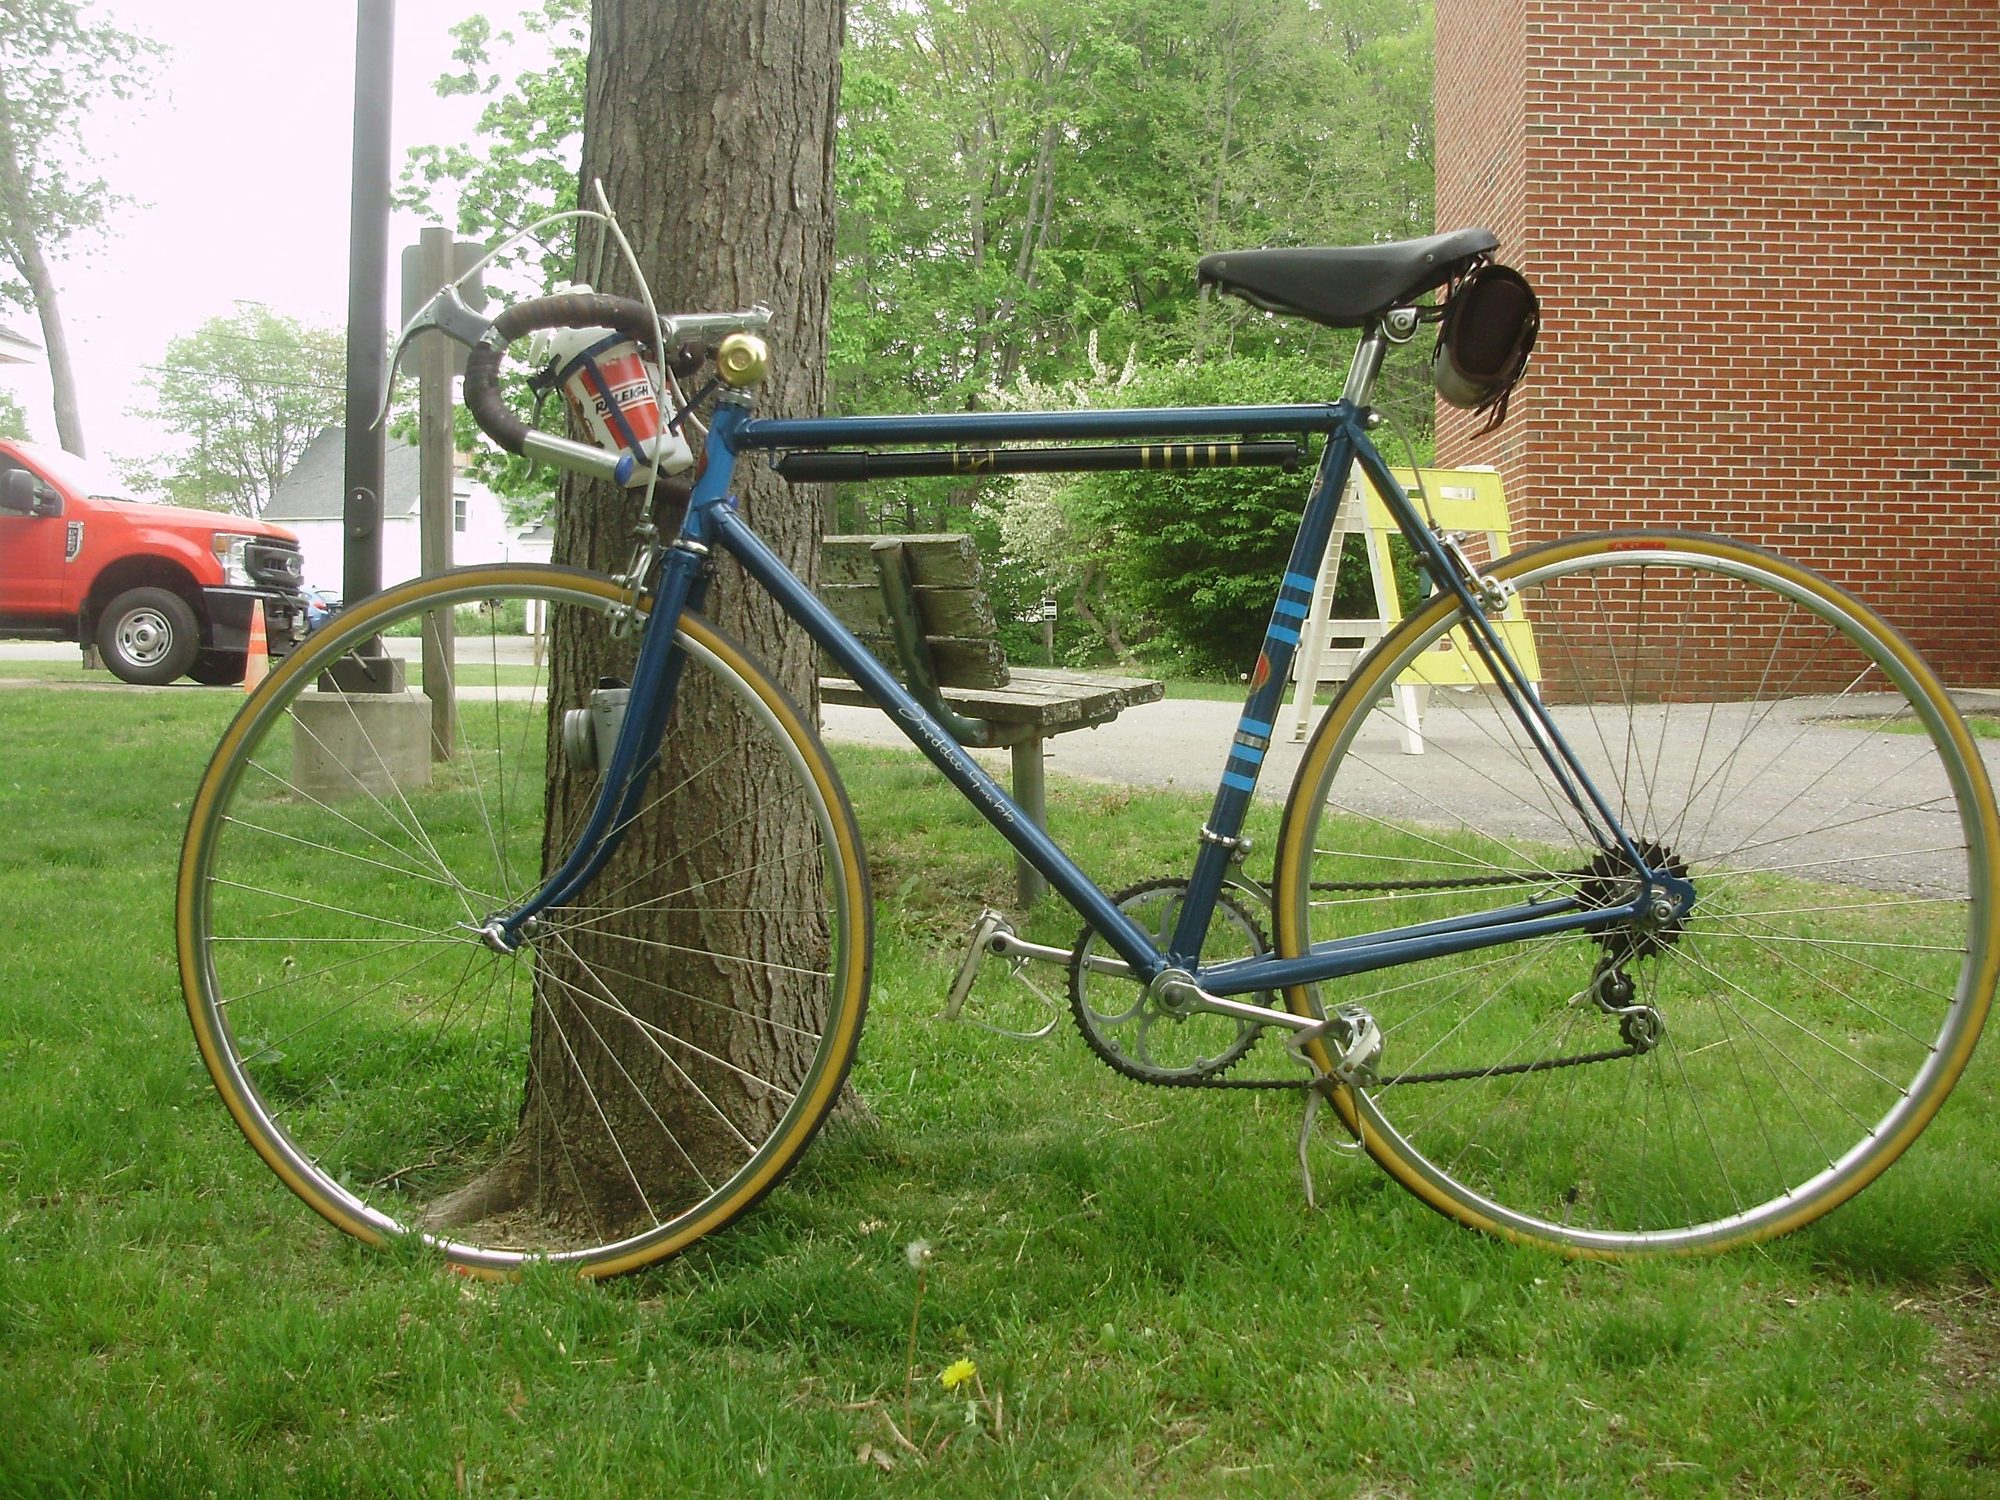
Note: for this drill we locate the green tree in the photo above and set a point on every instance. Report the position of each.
(523, 168)
(1194, 558)
(13, 421)
(1015, 173)
(1012, 174)
(530, 127)
(247, 392)
(55, 70)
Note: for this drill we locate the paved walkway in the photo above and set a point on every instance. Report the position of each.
(1885, 802)
(1181, 744)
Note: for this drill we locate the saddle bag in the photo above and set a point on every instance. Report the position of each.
(1485, 334)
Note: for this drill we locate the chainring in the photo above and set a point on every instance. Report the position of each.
(1141, 1038)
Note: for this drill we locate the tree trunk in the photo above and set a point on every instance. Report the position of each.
(27, 257)
(62, 377)
(711, 128)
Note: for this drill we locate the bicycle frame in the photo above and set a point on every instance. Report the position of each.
(712, 520)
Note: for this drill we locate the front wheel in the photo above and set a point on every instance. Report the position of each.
(1682, 1082)
(148, 636)
(655, 1054)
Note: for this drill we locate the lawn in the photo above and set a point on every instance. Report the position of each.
(1149, 1304)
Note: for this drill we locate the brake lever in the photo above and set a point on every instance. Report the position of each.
(447, 313)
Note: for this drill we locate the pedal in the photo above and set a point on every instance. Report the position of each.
(993, 937)
(1355, 1041)
(977, 951)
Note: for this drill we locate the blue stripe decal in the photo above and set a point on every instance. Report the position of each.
(1243, 759)
(1249, 725)
(1239, 783)
(1289, 637)
(1296, 608)
(1298, 581)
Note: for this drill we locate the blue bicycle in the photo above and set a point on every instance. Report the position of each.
(1673, 938)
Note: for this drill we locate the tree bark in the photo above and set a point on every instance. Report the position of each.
(55, 343)
(25, 251)
(711, 128)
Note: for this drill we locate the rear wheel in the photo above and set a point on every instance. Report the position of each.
(218, 668)
(656, 1053)
(1688, 1081)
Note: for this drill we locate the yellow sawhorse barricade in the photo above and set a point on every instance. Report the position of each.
(1467, 501)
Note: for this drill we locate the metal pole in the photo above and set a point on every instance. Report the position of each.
(367, 335)
(438, 504)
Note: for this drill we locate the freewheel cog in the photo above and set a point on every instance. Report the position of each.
(1608, 881)
(1139, 1035)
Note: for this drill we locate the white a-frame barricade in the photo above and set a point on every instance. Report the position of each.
(1470, 502)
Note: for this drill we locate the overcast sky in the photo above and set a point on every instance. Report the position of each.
(239, 167)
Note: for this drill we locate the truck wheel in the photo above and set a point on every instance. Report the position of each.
(218, 668)
(148, 636)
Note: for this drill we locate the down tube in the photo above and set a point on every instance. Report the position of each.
(944, 752)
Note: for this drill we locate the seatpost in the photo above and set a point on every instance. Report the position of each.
(1367, 364)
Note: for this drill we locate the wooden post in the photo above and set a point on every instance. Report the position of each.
(436, 465)
(1031, 792)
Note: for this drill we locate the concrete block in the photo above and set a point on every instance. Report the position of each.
(356, 744)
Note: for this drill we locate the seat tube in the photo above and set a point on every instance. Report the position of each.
(1221, 835)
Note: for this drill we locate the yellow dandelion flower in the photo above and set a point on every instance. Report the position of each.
(957, 1373)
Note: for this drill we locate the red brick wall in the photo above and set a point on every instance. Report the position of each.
(1767, 240)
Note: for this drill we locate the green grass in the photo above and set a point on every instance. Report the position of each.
(470, 672)
(69, 669)
(1151, 1307)
(512, 619)
(1207, 689)
(1983, 726)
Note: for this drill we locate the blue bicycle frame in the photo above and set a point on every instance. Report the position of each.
(713, 521)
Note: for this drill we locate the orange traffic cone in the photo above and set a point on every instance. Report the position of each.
(257, 659)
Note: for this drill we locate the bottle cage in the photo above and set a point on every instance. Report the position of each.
(1486, 331)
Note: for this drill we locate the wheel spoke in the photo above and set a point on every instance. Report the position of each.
(653, 1055)
(1787, 1023)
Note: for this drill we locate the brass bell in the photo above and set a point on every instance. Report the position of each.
(742, 360)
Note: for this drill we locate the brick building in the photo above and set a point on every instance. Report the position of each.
(1767, 240)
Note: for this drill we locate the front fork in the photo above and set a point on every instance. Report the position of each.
(621, 791)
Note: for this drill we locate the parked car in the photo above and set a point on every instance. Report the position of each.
(160, 591)
(321, 606)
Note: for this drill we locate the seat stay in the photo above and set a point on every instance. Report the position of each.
(1572, 781)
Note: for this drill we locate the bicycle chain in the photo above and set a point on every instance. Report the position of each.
(1461, 1075)
(1466, 882)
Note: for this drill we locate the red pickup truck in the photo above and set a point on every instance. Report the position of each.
(161, 592)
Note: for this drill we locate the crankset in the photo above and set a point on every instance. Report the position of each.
(1148, 1033)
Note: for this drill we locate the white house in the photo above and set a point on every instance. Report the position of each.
(16, 349)
(309, 502)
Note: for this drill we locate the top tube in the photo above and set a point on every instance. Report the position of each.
(805, 432)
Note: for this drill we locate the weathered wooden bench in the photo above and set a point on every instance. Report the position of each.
(920, 604)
